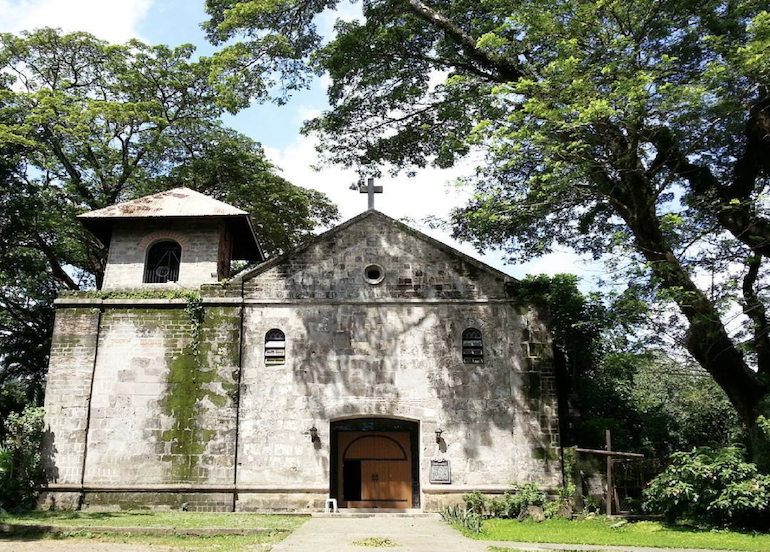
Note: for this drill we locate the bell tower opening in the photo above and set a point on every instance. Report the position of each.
(162, 264)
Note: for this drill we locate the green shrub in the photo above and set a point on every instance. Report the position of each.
(551, 509)
(711, 485)
(510, 506)
(475, 502)
(463, 517)
(21, 465)
(526, 495)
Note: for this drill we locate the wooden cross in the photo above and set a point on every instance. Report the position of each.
(370, 189)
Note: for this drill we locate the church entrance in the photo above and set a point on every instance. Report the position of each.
(375, 463)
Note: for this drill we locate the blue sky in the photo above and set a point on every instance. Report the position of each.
(175, 22)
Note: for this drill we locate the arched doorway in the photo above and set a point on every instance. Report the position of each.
(375, 463)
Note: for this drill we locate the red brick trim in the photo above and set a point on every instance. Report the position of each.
(163, 235)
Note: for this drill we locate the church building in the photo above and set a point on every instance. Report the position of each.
(373, 365)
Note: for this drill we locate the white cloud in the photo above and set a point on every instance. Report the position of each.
(427, 194)
(112, 20)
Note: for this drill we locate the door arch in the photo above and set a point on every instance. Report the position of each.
(374, 463)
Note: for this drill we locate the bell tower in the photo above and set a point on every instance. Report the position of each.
(174, 239)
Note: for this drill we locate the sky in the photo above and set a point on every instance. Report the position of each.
(175, 22)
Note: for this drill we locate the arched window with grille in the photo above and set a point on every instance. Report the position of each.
(162, 263)
(275, 347)
(473, 347)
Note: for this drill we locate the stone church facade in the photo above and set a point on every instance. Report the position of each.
(373, 365)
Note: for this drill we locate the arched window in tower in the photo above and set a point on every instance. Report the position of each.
(162, 263)
(275, 347)
(473, 347)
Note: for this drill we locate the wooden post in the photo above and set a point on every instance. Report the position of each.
(610, 488)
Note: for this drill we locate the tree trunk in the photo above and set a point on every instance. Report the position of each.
(707, 340)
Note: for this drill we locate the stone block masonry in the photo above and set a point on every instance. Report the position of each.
(160, 407)
(68, 393)
(148, 408)
(200, 242)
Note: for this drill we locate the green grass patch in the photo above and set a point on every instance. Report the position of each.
(179, 543)
(176, 520)
(275, 527)
(598, 531)
(504, 549)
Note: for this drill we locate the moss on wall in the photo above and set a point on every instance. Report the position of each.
(193, 380)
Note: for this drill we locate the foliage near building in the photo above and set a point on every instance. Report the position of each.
(85, 124)
(712, 485)
(631, 130)
(21, 463)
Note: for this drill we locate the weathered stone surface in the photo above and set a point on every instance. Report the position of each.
(200, 241)
(68, 393)
(174, 404)
(163, 409)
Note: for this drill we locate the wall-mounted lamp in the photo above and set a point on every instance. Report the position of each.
(438, 435)
(313, 432)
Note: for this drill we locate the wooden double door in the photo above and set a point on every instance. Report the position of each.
(375, 469)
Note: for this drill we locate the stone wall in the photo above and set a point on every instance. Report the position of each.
(183, 415)
(200, 241)
(163, 406)
(498, 418)
(334, 268)
(68, 392)
(393, 349)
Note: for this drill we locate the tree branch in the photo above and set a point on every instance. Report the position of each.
(505, 69)
(738, 217)
(56, 269)
(755, 310)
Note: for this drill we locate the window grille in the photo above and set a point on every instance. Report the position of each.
(162, 263)
(275, 347)
(473, 347)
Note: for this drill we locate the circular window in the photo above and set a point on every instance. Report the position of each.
(374, 274)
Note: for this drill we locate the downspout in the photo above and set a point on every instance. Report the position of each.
(81, 498)
(238, 403)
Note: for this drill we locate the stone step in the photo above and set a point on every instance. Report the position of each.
(377, 512)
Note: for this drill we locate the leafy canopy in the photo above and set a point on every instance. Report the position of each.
(85, 124)
(633, 130)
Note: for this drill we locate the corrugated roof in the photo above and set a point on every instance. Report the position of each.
(179, 202)
(175, 204)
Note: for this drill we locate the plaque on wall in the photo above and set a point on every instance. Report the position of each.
(440, 472)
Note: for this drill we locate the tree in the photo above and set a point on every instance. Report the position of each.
(232, 167)
(636, 130)
(85, 124)
(613, 374)
(21, 462)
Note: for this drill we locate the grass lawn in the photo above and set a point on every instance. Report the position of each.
(598, 531)
(178, 543)
(275, 527)
(142, 518)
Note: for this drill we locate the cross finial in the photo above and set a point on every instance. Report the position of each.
(370, 189)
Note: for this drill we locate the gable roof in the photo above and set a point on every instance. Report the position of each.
(176, 204)
(270, 263)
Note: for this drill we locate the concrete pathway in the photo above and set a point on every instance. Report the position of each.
(421, 534)
(409, 534)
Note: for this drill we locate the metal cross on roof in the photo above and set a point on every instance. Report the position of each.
(370, 189)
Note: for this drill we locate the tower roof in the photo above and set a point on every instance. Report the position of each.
(178, 203)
